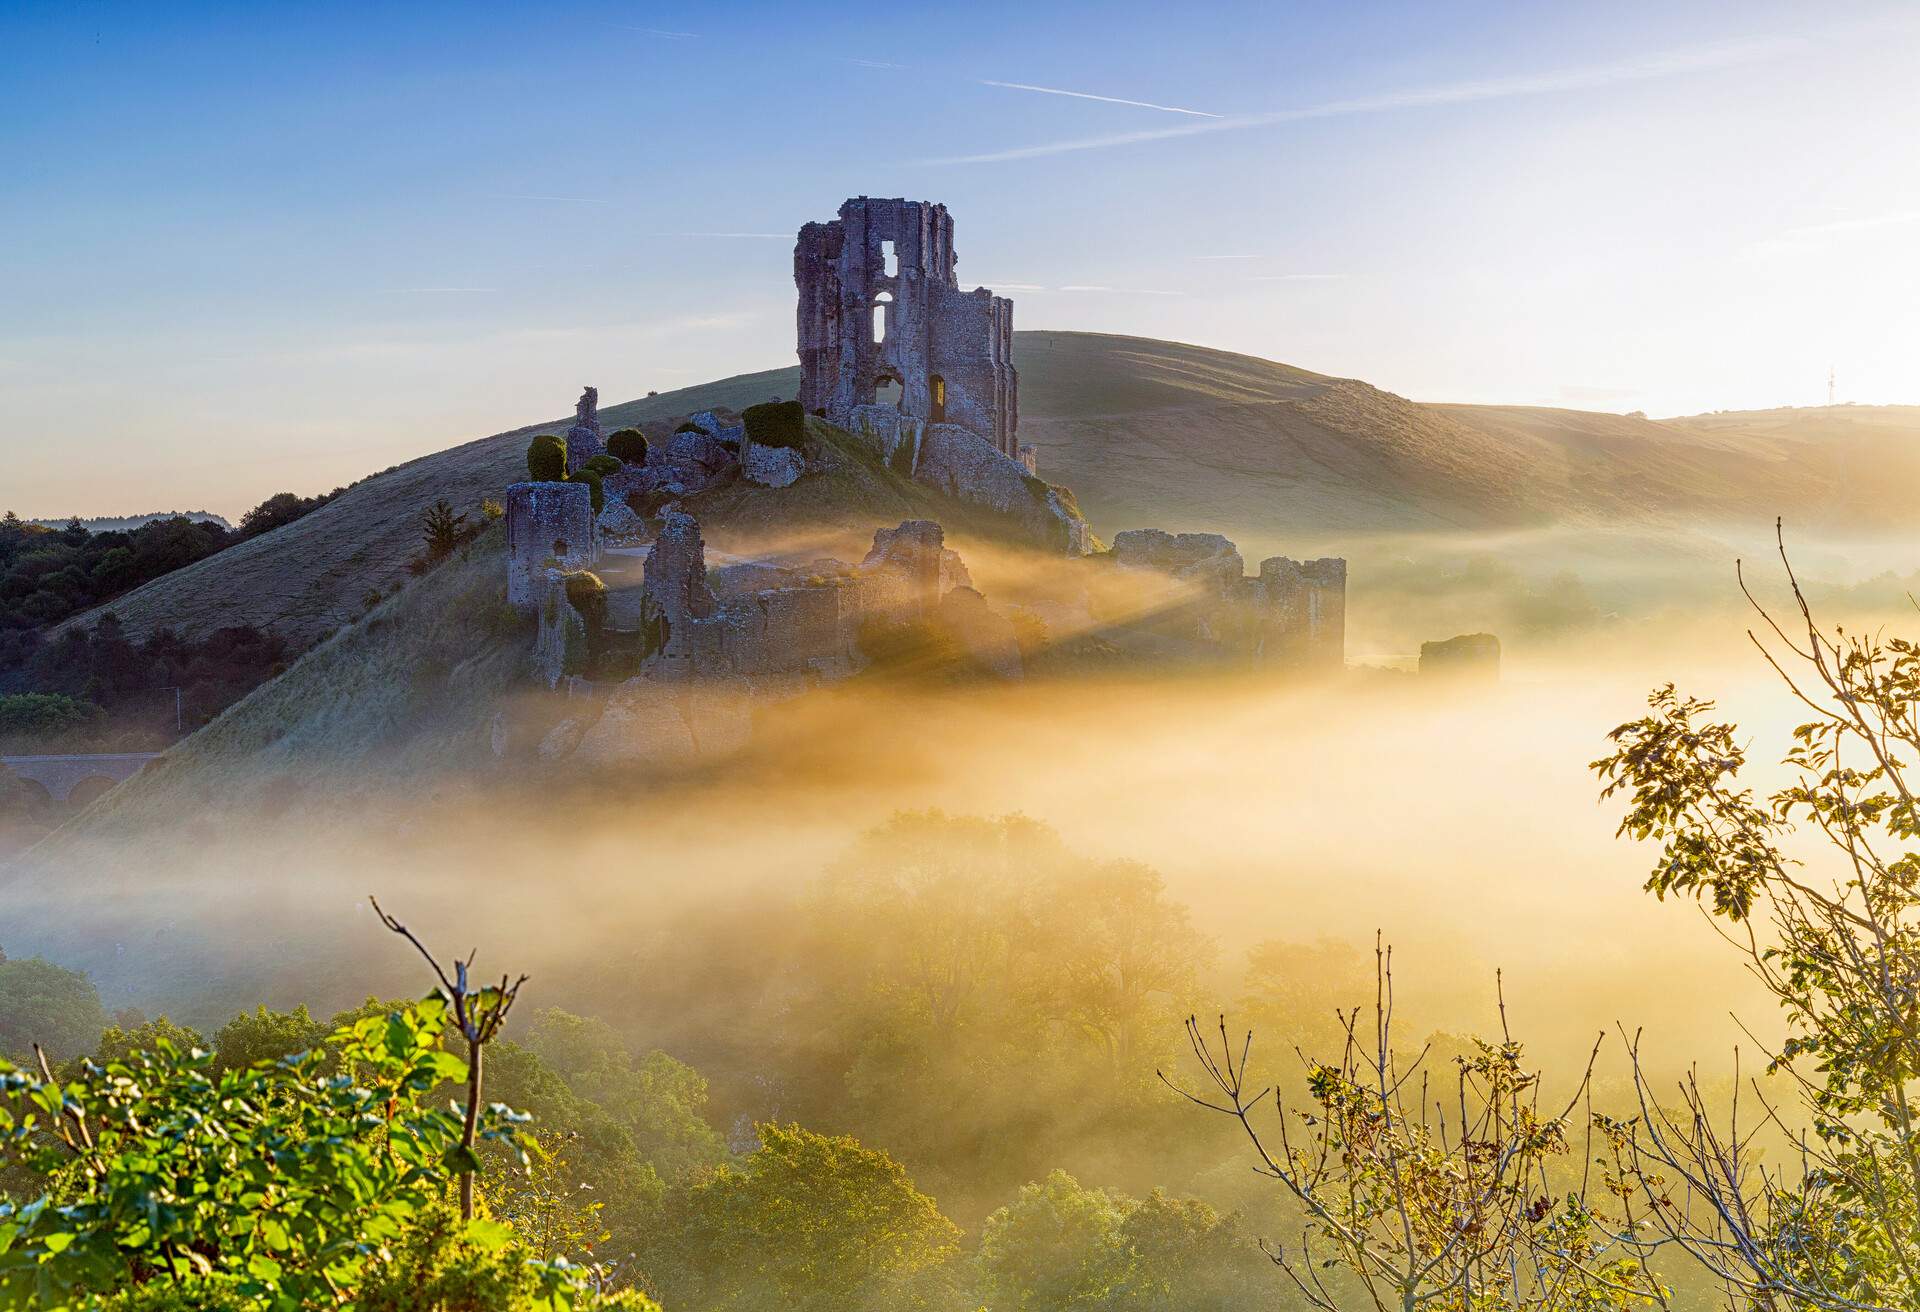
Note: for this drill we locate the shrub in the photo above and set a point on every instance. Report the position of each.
(689, 427)
(547, 459)
(628, 446)
(591, 477)
(442, 529)
(776, 423)
(604, 465)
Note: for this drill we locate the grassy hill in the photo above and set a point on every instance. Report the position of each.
(1158, 433)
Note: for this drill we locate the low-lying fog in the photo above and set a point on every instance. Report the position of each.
(688, 909)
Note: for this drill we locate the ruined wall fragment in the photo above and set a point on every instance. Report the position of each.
(547, 523)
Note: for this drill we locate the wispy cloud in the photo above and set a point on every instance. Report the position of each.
(771, 236)
(1119, 291)
(1839, 226)
(869, 63)
(413, 291)
(1819, 236)
(1232, 257)
(661, 32)
(563, 200)
(1298, 277)
(1643, 68)
(1109, 100)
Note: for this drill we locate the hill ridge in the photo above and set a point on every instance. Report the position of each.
(1154, 433)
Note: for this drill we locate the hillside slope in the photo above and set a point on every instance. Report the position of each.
(1158, 433)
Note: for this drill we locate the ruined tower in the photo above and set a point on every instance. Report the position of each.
(585, 439)
(882, 313)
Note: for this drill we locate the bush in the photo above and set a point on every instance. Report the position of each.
(591, 477)
(689, 427)
(776, 423)
(547, 459)
(628, 446)
(604, 465)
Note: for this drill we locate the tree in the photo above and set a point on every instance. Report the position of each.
(660, 1102)
(477, 1013)
(277, 511)
(1057, 1246)
(1417, 1197)
(121, 1040)
(1837, 1224)
(1186, 1257)
(264, 1035)
(807, 1222)
(443, 529)
(1133, 963)
(48, 1005)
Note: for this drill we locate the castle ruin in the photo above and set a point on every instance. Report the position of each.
(586, 439)
(882, 315)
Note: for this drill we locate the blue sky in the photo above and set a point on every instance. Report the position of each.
(252, 248)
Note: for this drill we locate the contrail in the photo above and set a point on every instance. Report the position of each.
(1110, 100)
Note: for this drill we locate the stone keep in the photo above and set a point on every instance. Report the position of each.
(879, 303)
(546, 522)
(585, 440)
(1308, 604)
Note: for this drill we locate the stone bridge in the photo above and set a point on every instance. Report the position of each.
(77, 779)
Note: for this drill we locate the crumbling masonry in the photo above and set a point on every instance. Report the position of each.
(879, 305)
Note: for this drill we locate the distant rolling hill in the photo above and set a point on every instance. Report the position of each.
(1158, 433)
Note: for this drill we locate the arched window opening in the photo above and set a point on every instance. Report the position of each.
(882, 307)
(887, 391)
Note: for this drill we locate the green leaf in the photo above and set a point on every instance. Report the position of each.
(490, 1235)
(57, 1242)
(275, 1233)
(262, 1267)
(460, 1159)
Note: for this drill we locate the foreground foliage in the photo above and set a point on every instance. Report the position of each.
(318, 1179)
(1837, 1224)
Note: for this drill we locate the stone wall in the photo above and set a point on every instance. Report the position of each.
(1467, 658)
(547, 523)
(1292, 614)
(950, 351)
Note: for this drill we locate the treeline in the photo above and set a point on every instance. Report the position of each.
(100, 667)
(620, 1171)
(104, 523)
(50, 574)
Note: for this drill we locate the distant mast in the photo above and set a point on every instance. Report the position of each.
(1830, 378)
